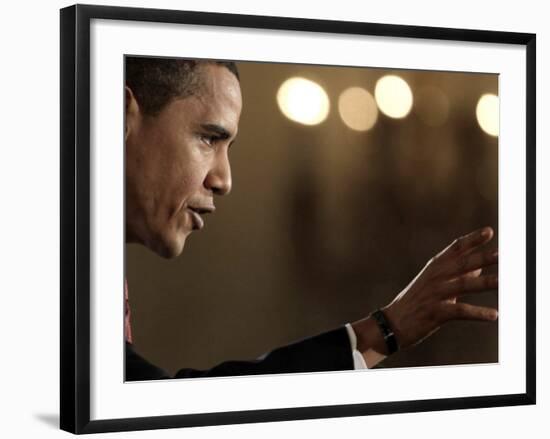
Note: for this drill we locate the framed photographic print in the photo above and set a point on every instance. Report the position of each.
(275, 218)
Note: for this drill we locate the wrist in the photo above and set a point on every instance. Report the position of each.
(369, 336)
(386, 330)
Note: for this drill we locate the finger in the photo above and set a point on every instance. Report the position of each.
(475, 273)
(471, 274)
(467, 263)
(466, 243)
(467, 284)
(465, 311)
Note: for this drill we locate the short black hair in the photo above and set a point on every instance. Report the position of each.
(157, 81)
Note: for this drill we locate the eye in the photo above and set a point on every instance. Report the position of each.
(209, 139)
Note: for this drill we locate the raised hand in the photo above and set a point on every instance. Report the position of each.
(430, 300)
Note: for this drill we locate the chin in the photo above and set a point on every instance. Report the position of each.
(174, 249)
(169, 247)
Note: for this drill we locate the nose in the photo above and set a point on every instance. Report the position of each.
(218, 179)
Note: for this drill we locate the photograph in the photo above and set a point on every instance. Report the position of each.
(275, 219)
(291, 219)
(297, 218)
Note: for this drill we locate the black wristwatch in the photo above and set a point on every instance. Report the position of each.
(387, 332)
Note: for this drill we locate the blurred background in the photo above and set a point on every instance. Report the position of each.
(346, 181)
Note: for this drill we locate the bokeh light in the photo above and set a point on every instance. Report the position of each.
(393, 96)
(487, 113)
(431, 105)
(303, 101)
(357, 109)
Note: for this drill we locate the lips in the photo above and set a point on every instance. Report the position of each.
(202, 209)
(196, 212)
(198, 222)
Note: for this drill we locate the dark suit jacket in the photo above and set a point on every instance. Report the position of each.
(326, 352)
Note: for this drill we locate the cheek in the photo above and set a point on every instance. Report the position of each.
(142, 177)
(187, 178)
(173, 170)
(189, 175)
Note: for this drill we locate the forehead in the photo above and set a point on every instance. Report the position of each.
(215, 101)
(218, 96)
(216, 79)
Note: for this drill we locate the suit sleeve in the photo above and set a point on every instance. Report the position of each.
(329, 351)
(138, 368)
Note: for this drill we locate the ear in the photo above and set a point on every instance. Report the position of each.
(132, 111)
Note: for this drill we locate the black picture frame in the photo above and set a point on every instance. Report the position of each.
(75, 217)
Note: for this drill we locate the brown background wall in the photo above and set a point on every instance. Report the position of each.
(323, 225)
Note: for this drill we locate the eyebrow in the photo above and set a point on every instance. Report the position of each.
(222, 133)
(216, 129)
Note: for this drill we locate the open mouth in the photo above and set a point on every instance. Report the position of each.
(197, 212)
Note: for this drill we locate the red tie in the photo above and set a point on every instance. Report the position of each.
(127, 325)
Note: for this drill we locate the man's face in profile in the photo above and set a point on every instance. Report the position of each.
(177, 160)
